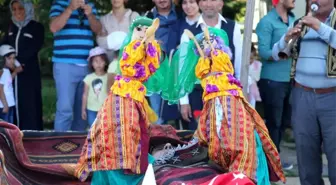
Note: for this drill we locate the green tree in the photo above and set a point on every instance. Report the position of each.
(234, 9)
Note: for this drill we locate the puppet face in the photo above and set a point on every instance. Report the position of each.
(139, 32)
(206, 47)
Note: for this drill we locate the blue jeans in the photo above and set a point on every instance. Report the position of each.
(69, 87)
(314, 118)
(91, 116)
(277, 109)
(8, 117)
(155, 103)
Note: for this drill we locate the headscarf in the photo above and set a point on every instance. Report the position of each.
(275, 2)
(29, 12)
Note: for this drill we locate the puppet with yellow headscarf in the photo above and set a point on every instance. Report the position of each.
(235, 134)
(116, 149)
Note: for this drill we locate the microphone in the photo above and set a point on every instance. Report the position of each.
(314, 8)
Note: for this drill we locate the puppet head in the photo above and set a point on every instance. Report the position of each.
(214, 46)
(138, 28)
(137, 31)
(218, 39)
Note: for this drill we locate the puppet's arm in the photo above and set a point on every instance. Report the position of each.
(133, 53)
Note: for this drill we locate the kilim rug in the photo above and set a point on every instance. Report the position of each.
(37, 158)
(40, 158)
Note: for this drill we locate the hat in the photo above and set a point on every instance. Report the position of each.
(6, 49)
(115, 40)
(95, 52)
(275, 2)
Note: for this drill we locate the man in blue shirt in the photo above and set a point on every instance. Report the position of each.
(73, 23)
(274, 81)
(167, 34)
(314, 92)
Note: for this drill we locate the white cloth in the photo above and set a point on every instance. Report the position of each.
(219, 116)
(149, 178)
(254, 72)
(7, 82)
(237, 42)
(253, 78)
(115, 40)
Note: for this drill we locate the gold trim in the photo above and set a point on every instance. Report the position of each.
(331, 60)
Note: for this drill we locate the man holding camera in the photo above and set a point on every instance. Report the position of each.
(73, 23)
(314, 92)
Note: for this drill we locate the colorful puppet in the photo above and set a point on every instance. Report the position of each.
(116, 149)
(235, 134)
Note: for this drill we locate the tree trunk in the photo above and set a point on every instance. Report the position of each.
(248, 29)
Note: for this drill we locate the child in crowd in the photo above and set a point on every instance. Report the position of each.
(114, 42)
(10, 69)
(95, 91)
(254, 77)
(3, 102)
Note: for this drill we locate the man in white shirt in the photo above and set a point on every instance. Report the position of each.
(212, 18)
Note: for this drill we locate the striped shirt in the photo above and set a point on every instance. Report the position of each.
(73, 42)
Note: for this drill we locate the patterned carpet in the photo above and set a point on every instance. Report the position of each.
(47, 158)
(39, 158)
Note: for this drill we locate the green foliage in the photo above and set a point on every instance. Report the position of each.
(235, 10)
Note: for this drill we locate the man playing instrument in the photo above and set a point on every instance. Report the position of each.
(314, 92)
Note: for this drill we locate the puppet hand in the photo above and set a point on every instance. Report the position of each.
(150, 32)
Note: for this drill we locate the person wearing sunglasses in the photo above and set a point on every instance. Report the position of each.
(73, 24)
